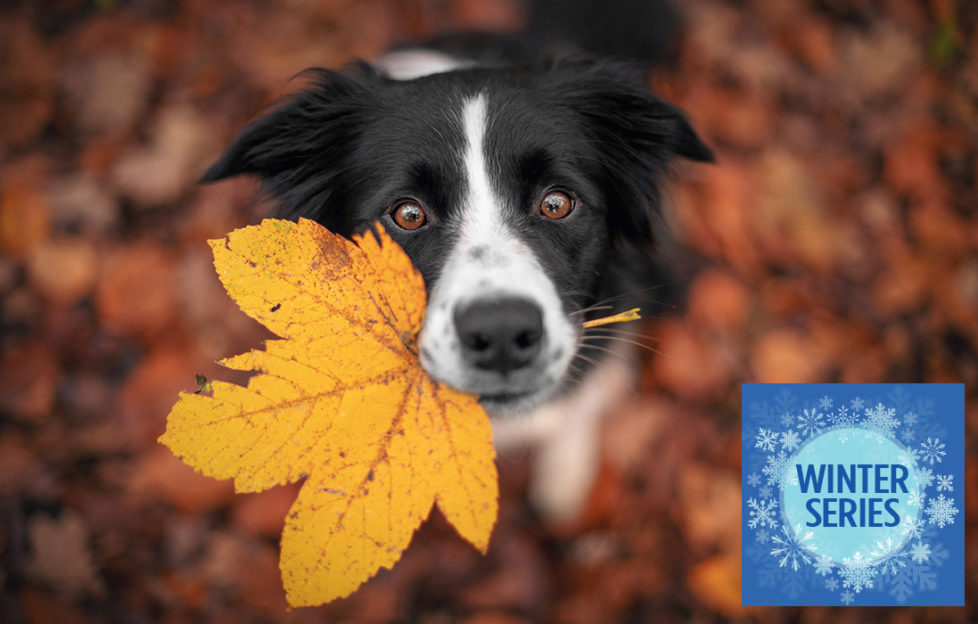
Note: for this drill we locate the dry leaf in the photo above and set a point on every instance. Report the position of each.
(60, 555)
(341, 401)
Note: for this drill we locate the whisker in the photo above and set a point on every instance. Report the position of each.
(634, 293)
(590, 361)
(609, 351)
(575, 373)
(620, 335)
(640, 345)
(625, 340)
(516, 455)
(593, 308)
(608, 303)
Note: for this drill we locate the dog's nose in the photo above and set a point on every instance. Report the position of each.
(500, 334)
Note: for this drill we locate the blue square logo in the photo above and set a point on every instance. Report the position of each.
(853, 494)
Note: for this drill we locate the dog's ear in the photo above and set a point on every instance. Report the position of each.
(686, 142)
(640, 137)
(296, 149)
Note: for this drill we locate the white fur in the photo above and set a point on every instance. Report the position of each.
(566, 434)
(417, 62)
(490, 261)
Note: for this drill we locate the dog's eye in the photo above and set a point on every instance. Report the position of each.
(409, 215)
(556, 205)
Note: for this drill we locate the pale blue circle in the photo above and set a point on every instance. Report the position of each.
(890, 471)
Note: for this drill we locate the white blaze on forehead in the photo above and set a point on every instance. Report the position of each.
(487, 244)
(482, 214)
(489, 261)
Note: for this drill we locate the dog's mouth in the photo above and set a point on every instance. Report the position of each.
(514, 403)
(512, 352)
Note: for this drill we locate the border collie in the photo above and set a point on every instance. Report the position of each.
(523, 193)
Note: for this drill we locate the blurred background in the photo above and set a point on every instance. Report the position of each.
(836, 240)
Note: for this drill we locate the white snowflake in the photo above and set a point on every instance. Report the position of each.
(857, 404)
(843, 436)
(906, 457)
(932, 451)
(776, 469)
(831, 584)
(881, 420)
(945, 483)
(916, 498)
(789, 440)
(847, 598)
(842, 418)
(882, 548)
(911, 526)
(906, 435)
(920, 552)
(941, 511)
(857, 574)
(892, 565)
(763, 536)
(810, 422)
(787, 419)
(823, 565)
(825, 402)
(888, 561)
(762, 513)
(910, 419)
(925, 477)
(765, 491)
(753, 479)
(791, 547)
(766, 439)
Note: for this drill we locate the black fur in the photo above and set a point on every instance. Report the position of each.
(348, 147)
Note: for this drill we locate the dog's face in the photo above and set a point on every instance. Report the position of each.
(511, 190)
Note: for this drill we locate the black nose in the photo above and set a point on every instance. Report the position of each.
(500, 334)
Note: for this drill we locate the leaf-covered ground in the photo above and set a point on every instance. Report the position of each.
(836, 240)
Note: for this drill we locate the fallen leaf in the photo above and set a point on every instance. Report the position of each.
(719, 301)
(60, 555)
(24, 218)
(694, 365)
(262, 513)
(78, 203)
(341, 401)
(787, 356)
(248, 568)
(29, 378)
(63, 269)
(106, 92)
(159, 173)
(18, 466)
(27, 66)
(716, 582)
(708, 502)
(158, 476)
(148, 391)
(134, 290)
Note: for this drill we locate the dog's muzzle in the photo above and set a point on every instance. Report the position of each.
(500, 335)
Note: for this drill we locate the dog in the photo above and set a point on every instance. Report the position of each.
(523, 191)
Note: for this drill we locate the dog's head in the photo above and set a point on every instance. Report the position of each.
(512, 190)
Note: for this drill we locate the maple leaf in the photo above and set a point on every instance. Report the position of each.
(341, 401)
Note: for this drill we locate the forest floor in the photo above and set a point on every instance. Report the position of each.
(836, 239)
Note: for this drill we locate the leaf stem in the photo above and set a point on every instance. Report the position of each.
(628, 315)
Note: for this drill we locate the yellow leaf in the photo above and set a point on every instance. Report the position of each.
(341, 401)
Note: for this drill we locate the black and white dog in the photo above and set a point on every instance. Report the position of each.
(523, 194)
